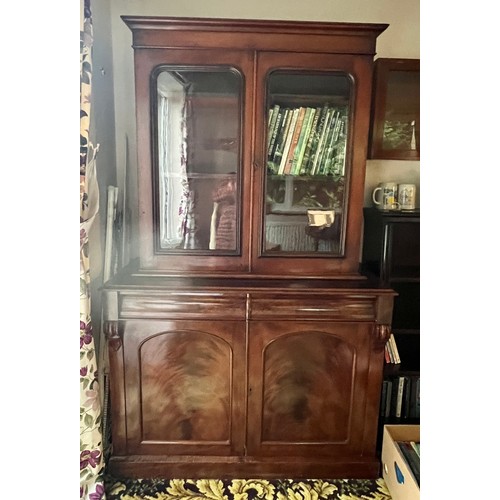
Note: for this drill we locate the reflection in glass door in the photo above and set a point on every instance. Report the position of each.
(198, 160)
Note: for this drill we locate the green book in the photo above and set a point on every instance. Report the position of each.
(304, 168)
(316, 138)
(302, 143)
(272, 117)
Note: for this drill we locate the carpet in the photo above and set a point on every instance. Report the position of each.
(245, 489)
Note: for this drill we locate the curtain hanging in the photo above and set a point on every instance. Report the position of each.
(91, 448)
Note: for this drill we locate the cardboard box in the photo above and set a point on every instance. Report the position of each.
(395, 470)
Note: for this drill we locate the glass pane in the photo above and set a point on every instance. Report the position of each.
(401, 127)
(198, 156)
(307, 134)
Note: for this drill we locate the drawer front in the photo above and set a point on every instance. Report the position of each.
(193, 305)
(317, 307)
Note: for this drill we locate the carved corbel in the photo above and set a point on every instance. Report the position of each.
(112, 335)
(382, 334)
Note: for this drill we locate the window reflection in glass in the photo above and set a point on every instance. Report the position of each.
(198, 158)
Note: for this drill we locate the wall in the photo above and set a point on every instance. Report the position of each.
(401, 39)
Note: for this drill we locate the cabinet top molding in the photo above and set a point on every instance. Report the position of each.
(152, 30)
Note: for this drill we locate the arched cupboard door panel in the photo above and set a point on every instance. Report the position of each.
(307, 387)
(184, 381)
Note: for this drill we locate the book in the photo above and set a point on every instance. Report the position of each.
(273, 116)
(288, 140)
(416, 446)
(411, 458)
(330, 149)
(274, 133)
(303, 139)
(304, 169)
(394, 348)
(413, 397)
(390, 352)
(295, 140)
(399, 396)
(405, 410)
(338, 165)
(387, 356)
(320, 147)
(316, 137)
(387, 402)
(394, 396)
(277, 152)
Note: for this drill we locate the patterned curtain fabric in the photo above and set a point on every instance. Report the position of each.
(91, 448)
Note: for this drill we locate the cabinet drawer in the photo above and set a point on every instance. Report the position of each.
(312, 307)
(190, 305)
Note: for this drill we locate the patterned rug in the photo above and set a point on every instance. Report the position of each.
(245, 489)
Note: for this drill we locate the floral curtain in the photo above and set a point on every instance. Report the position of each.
(91, 447)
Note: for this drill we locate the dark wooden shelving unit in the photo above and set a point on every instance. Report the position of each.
(391, 256)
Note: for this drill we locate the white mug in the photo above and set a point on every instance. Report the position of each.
(389, 192)
(407, 194)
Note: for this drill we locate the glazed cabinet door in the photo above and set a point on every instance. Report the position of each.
(309, 389)
(311, 138)
(184, 387)
(193, 111)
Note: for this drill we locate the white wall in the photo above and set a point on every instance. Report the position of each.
(400, 40)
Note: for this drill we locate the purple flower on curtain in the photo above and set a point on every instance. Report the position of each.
(98, 494)
(92, 458)
(83, 371)
(93, 400)
(85, 333)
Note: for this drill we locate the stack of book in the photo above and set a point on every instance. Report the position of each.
(400, 397)
(411, 454)
(306, 140)
(391, 351)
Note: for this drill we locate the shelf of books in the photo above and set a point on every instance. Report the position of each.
(307, 140)
(400, 396)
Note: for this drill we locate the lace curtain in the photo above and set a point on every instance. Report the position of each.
(176, 224)
(91, 447)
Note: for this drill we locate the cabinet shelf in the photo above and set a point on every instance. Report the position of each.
(391, 256)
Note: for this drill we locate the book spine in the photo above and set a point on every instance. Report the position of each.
(273, 116)
(411, 459)
(304, 136)
(326, 161)
(405, 411)
(295, 140)
(277, 125)
(338, 166)
(416, 447)
(288, 140)
(413, 397)
(324, 133)
(317, 135)
(387, 356)
(304, 169)
(390, 395)
(280, 140)
(392, 340)
(399, 399)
